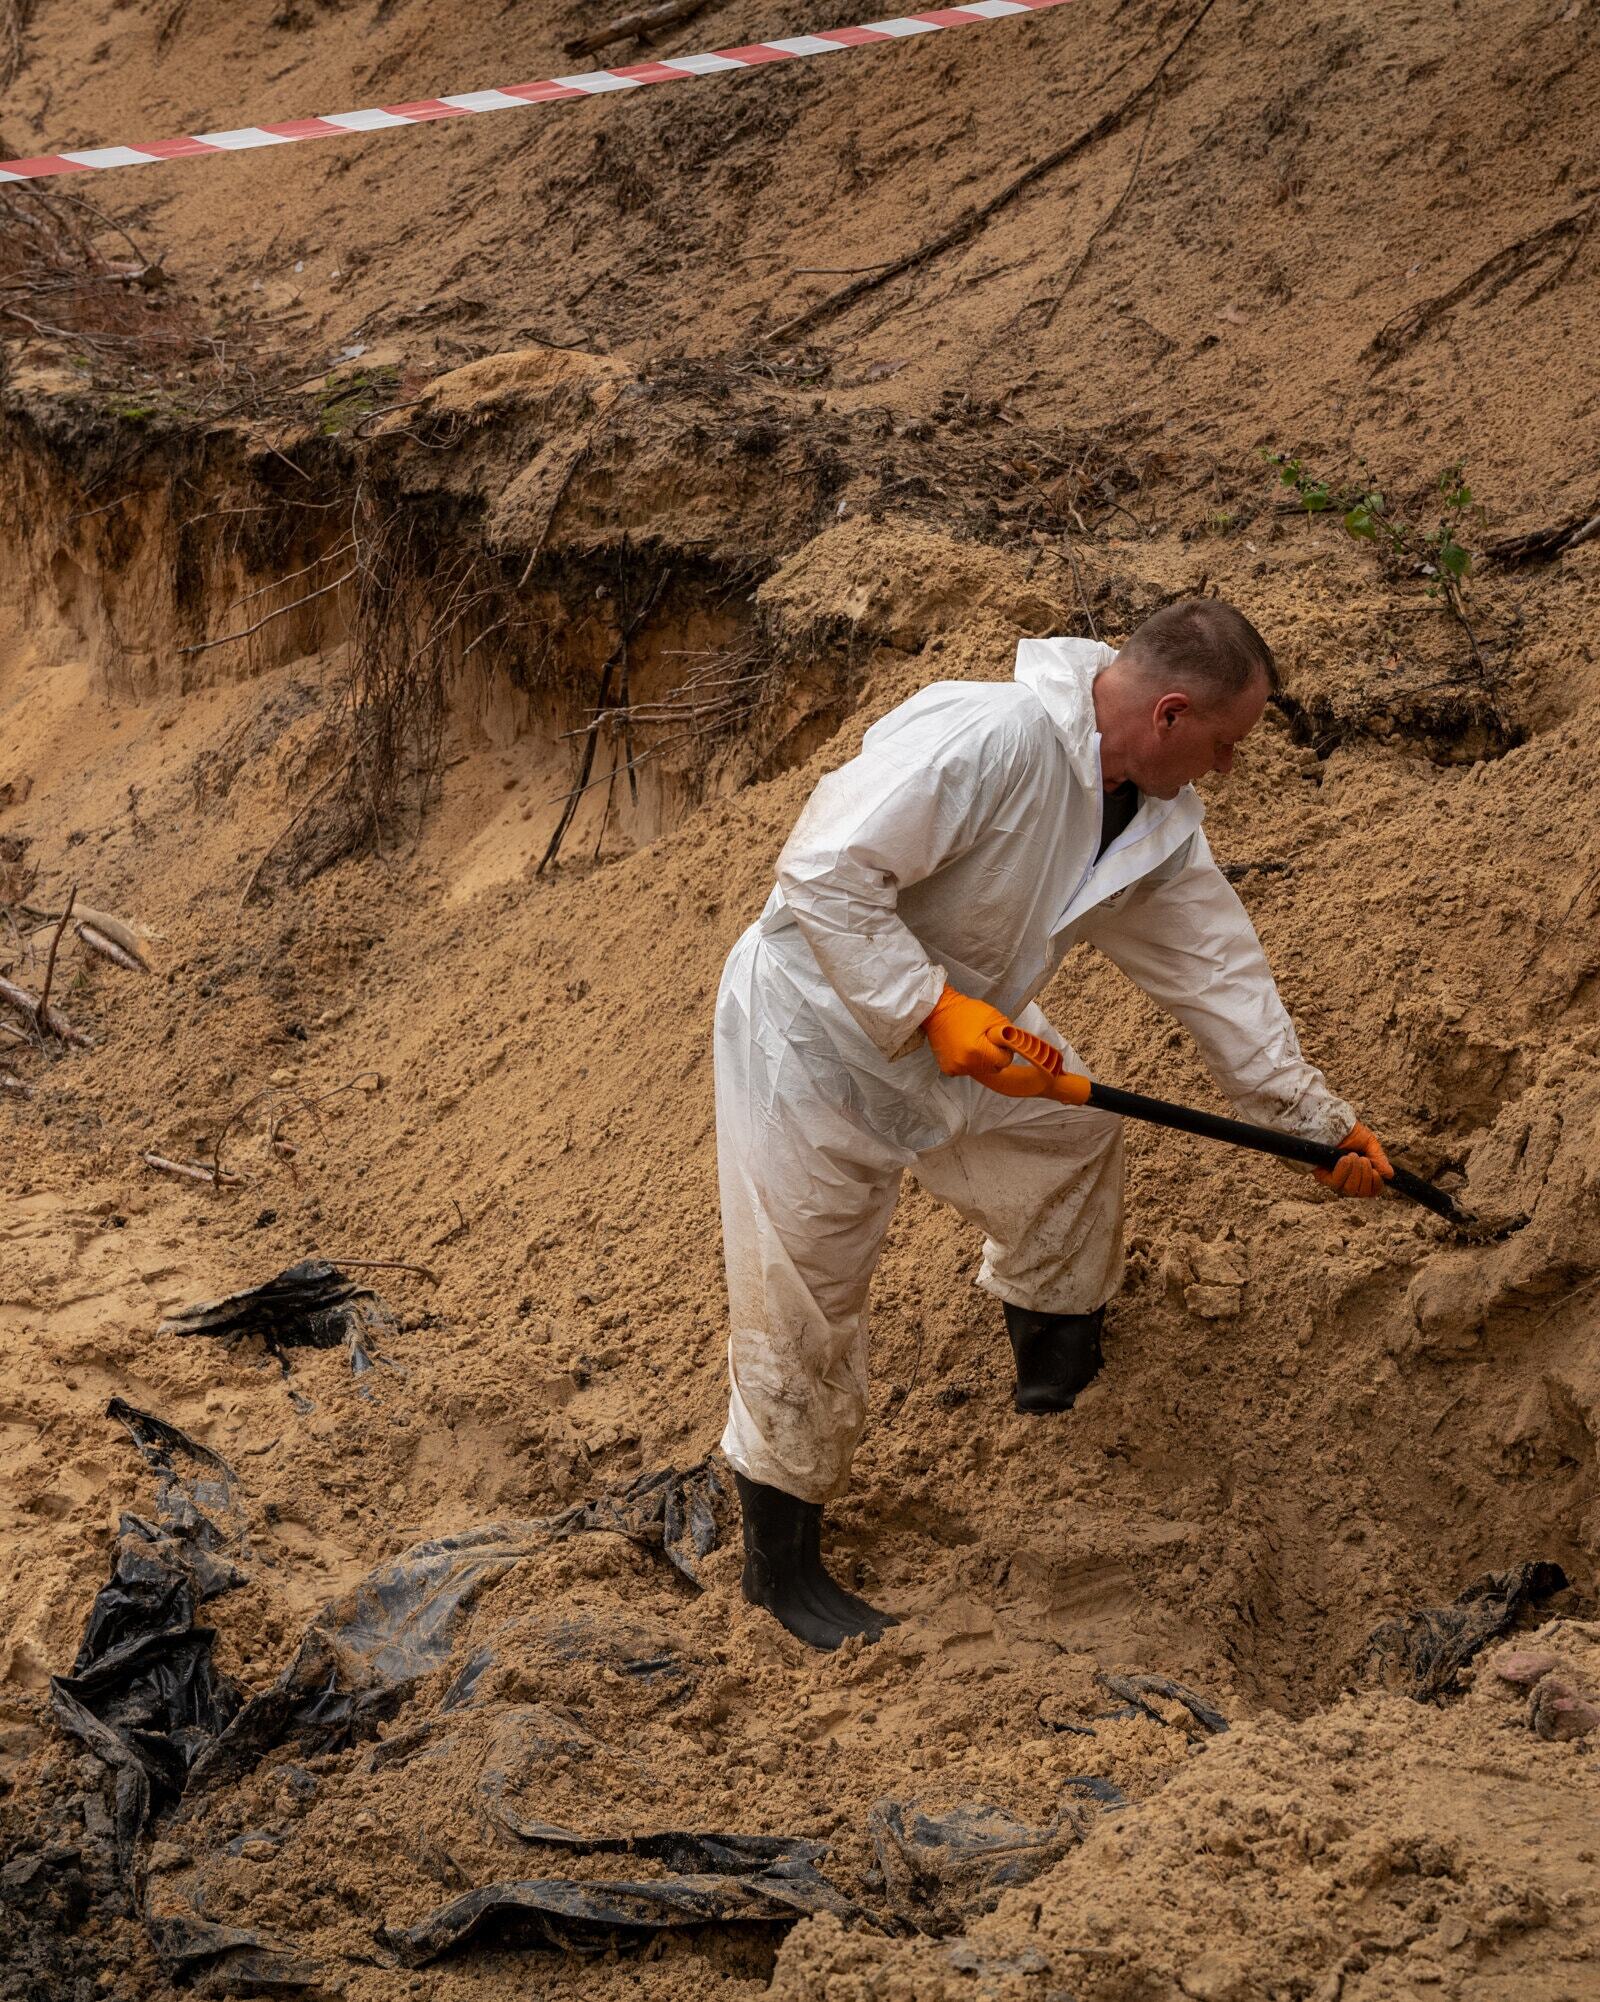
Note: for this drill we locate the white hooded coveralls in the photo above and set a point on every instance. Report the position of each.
(959, 846)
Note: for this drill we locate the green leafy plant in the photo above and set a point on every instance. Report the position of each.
(1367, 515)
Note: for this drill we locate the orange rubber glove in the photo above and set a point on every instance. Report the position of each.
(962, 1035)
(1364, 1169)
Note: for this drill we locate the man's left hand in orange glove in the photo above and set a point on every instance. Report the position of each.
(1364, 1167)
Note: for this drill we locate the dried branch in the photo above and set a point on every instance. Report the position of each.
(342, 771)
(617, 657)
(371, 1081)
(42, 1015)
(219, 1173)
(974, 220)
(645, 22)
(194, 1171)
(380, 1265)
(108, 948)
(316, 563)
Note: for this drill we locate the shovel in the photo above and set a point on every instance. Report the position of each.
(1071, 1089)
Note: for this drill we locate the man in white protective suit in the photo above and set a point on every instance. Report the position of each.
(928, 892)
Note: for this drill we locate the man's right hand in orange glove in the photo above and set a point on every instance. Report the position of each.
(964, 1036)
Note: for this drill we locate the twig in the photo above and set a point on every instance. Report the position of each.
(458, 1229)
(618, 656)
(108, 948)
(42, 1015)
(643, 758)
(245, 631)
(300, 471)
(1572, 1293)
(969, 224)
(578, 458)
(310, 1104)
(1573, 902)
(611, 787)
(277, 583)
(104, 508)
(233, 1118)
(644, 22)
(194, 1171)
(463, 1223)
(1077, 578)
(380, 1265)
(592, 738)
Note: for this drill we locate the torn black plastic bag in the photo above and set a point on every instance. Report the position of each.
(364, 1652)
(143, 1694)
(668, 1511)
(941, 1867)
(595, 1917)
(228, 1960)
(684, 1852)
(1422, 1652)
(310, 1305)
(196, 1489)
(1137, 1690)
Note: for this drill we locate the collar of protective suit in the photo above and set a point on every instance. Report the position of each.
(1062, 673)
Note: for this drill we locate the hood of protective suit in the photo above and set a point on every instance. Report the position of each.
(1061, 674)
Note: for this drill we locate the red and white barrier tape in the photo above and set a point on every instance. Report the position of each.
(516, 96)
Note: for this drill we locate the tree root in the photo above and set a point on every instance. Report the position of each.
(1492, 276)
(1539, 545)
(974, 220)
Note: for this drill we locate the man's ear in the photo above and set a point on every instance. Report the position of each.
(1170, 708)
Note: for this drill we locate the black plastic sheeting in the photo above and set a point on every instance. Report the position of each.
(143, 1694)
(1141, 1697)
(667, 1511)
(310, 1305)
(759, 1880)
(939, 1867)
(362, 1655)
(145, 1697)
(229, 1960)
(1136, 1690)
(1421, 1653)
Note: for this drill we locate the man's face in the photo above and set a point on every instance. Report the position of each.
(1182, 742)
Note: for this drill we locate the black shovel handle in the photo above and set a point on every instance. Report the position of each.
(1264, 1140)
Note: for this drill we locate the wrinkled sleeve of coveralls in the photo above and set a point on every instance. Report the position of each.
(927, 779)
(1185, 938)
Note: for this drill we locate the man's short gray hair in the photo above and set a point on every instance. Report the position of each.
(1205, 648)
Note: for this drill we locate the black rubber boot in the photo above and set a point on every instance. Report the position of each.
(783, 1570)
(1057, 1356)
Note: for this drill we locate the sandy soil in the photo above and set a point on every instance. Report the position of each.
(986, 448)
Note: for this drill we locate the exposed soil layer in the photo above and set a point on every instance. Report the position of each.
(408, 1031)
